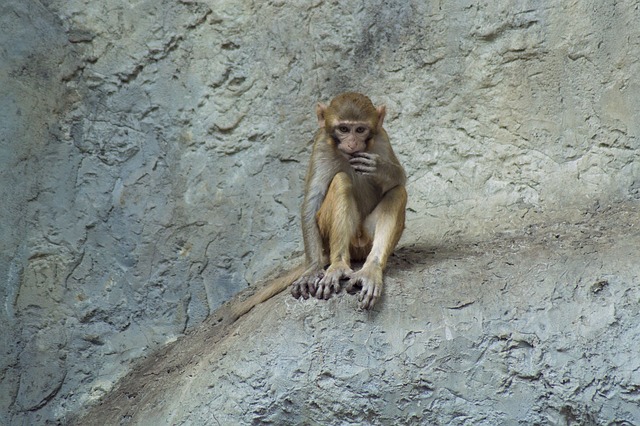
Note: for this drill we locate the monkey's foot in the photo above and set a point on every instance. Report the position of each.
(330, 283)
(367, 281)
(307, 284)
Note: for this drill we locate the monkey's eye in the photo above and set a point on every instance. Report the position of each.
(360, 129)
(343, 129)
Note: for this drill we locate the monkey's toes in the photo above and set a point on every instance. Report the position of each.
(324, 292)
(298, 290)
(295, 291)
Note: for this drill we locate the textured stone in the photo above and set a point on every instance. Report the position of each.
(152, 156)
(535, 327)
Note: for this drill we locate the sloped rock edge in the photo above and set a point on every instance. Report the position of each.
(538, 326)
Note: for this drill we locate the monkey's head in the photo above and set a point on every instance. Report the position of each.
(351, 120)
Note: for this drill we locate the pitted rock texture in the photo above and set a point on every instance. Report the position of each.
(152, 153)
(536, 327)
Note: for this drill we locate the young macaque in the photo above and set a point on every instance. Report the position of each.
(354, 201)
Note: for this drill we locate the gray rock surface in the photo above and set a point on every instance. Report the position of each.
(152, 156)
(537, 327)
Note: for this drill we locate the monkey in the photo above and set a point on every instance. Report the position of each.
(354, 202)
(354, 197)
(353, 208)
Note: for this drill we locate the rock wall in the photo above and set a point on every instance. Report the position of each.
(153, 152)
(538, 327)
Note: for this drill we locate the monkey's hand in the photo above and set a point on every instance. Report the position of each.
(365, 163)
(367, 281)
(307, 284)
(330, 283)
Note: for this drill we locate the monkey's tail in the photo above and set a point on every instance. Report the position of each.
(270, 289)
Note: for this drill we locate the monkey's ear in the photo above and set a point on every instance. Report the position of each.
(320, 110)
(382, 110)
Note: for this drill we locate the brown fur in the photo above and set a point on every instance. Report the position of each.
(354, 204)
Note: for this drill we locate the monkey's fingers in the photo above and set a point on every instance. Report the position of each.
(369, 171)
(363, 165)
(306, 285)
(365, 161)
(370, 286)
(329, 285)
(363, 154)
(314, 282)
(324, 292)
(362, 168)
(369, 296)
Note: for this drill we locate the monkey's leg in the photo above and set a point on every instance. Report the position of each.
(338, 220)
(385, 224)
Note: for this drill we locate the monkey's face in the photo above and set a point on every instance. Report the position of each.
(351, 137)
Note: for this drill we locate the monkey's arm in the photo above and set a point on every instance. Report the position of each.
(310, 234)
(317, 182)
(307, 283)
